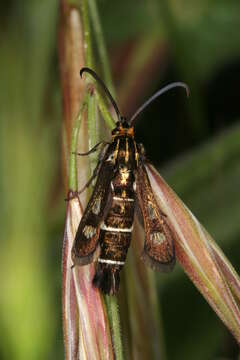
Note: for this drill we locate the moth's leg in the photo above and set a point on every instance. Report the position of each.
(100, 160)
(71, 195)
(91, 150)
(95, 173)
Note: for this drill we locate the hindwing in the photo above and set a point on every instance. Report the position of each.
(159, 250)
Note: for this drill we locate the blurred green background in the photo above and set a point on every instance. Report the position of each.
(194, 142)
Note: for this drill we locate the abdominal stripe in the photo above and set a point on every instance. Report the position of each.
(115, 229)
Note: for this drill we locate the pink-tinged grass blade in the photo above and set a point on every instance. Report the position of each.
(199, 256)
(69, 301)
(226, 267)
(86, 331)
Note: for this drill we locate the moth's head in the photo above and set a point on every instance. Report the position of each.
(123, 128)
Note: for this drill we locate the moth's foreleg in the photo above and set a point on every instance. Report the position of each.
(75, 193)
(91, 150)
(94, 175)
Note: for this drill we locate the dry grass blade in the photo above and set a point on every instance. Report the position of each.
(86, 331)
(199, 256)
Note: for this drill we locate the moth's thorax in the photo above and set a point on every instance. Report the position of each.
(123, 152)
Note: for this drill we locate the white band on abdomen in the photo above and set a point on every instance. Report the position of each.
(122, 198)
(112, 262)
(110, 228)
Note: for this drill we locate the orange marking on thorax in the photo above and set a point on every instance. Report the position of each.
(124, 132)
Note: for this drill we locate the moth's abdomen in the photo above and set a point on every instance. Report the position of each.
(120, 215)
(115, 235)
(114, 247)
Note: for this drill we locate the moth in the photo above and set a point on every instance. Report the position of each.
(122, 187)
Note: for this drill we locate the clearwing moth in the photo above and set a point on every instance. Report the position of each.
(122, 185)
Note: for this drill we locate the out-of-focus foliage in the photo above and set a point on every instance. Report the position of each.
(207, 30)
(30, 252)
(197, 42)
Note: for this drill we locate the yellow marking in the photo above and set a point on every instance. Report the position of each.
(124, 175)
(115, 153)
(122, 208)
(127, 151)
(136, 152)
(124, 193)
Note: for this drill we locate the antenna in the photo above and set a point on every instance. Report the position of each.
(97, 78)
(156, 95)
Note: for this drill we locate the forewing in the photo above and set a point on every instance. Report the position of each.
(159, 250)
(86, 239)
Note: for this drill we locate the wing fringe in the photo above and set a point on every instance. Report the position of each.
(157, 265)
